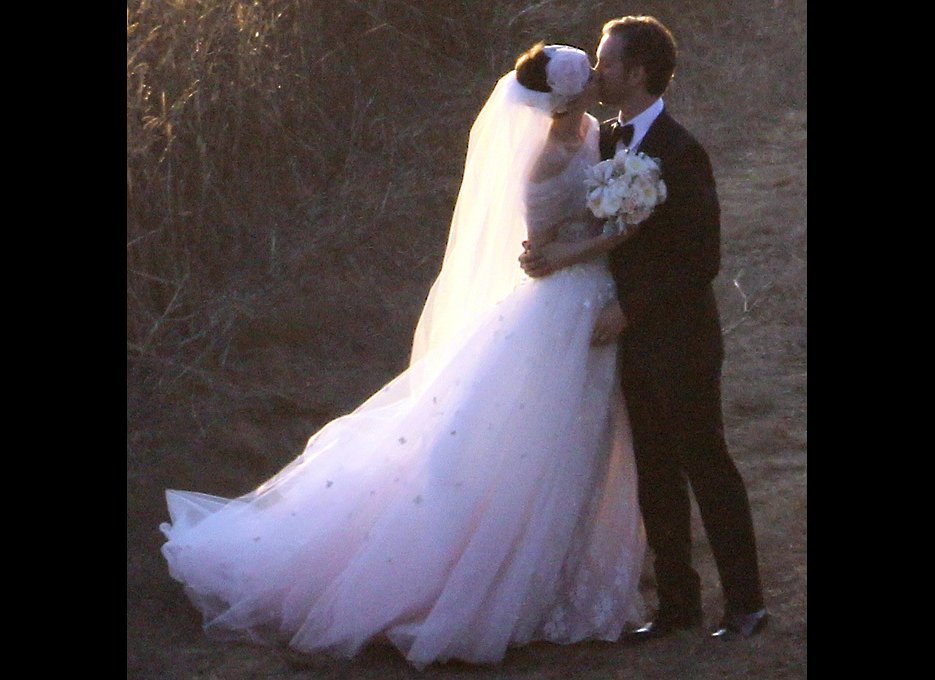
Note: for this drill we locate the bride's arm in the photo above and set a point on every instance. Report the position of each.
(542, 203)
(541, 227)
(544, 255)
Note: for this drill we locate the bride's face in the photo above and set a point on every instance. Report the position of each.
(588, 96)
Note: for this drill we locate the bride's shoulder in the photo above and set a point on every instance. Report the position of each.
(593, 124)
(593, 128)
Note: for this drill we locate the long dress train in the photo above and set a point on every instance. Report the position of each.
(489, 503)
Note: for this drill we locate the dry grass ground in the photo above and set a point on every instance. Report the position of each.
(318, 312)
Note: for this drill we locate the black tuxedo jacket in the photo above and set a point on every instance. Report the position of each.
(664, 271)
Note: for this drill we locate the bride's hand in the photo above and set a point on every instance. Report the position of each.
(609, 325)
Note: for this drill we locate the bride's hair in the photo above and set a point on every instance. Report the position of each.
(551, 75)
(531, 68)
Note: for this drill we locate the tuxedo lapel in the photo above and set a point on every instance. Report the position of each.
(659, 136)
(656, 142)
(606, 142)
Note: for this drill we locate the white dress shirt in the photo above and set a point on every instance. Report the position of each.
(641, 123)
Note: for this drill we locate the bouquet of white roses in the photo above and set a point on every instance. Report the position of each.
(625, 189)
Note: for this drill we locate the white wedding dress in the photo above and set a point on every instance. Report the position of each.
(489, 503)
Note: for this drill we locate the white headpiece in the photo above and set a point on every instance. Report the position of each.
(567, 72)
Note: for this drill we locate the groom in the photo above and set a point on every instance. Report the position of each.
(668, 331)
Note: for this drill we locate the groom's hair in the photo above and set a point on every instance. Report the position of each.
(530, 68)
(647, 43)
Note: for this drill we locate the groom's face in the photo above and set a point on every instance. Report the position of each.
(612, 82)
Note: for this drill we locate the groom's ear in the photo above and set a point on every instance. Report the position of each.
(637, 75)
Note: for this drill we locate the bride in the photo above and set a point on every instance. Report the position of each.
(486, 497)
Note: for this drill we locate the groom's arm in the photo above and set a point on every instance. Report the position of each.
(686, 244)
(541, 259)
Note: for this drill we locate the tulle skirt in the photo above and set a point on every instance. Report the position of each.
(483, 499)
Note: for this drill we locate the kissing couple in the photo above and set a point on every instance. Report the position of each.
(504, 487)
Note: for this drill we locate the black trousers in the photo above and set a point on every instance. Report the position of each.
(678, 434)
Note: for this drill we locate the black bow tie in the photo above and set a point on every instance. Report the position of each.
(621, 133)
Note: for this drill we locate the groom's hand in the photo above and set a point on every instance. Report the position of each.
(541, 260)
(533, 263)
(611, 322)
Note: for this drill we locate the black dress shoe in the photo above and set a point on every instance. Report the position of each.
(665, 622)
(741, 625)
